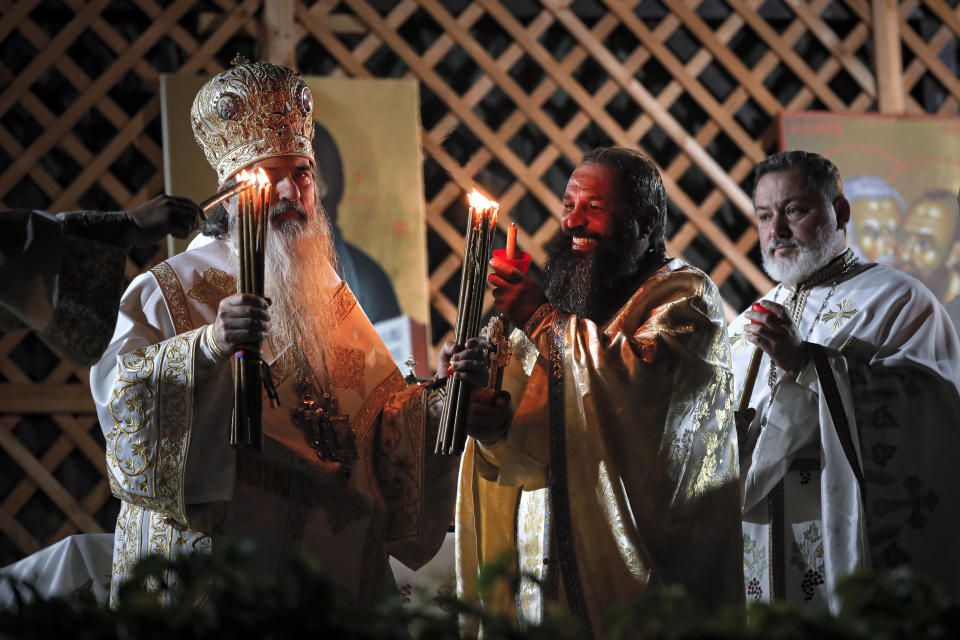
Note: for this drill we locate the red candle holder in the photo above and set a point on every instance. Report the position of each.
(522, 263)
(756, 306)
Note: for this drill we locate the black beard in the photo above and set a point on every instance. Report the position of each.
(590, 285)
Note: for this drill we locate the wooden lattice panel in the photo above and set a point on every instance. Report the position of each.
(512, 95)
(930, 31)
(719, 74)
(79, 128)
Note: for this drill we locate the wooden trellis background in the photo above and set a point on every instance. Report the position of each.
(512, 93)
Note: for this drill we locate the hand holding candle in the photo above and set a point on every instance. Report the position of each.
(753, 368)
(516, 259)
(481, 222)
(514, 295)
(252, 227)
(756, 306)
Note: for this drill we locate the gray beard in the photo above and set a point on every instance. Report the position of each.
(809, 259)
(301, 312)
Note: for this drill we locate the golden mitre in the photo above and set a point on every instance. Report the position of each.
(251, 112)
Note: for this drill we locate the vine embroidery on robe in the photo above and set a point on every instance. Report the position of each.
(754, 565)
(716, 406)
(151, 475)
(808, 557)
(530, 539)
(173, 295)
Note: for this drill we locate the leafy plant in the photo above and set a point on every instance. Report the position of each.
(207, 596)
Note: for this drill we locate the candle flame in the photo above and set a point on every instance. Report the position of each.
(261, 177)
(480, 202)
(245, 176)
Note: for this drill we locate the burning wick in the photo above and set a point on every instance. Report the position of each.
(512, 241)
(245, 181)
(483, 206)
(481, 222)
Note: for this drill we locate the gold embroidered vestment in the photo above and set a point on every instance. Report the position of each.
(650, 456)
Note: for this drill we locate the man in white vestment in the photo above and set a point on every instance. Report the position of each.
(62, 275)
(848, 447)
(344, 476)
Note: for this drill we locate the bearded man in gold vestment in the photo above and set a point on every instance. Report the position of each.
(610, 465)
(343, 476)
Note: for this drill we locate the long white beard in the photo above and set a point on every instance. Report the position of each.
(299, 258)
(808, 260)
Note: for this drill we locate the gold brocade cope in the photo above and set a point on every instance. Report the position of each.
(165, 406)
(652, 495)
(374, 370)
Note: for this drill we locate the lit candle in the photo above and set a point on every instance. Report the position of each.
(485, 208)
(244, 181)
(512, 241)
(482, 221)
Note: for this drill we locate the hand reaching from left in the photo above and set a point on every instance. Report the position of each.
(163, 215)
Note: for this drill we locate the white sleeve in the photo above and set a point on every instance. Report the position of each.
(164, 405)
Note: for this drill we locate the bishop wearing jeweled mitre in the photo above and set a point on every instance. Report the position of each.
(343, 476)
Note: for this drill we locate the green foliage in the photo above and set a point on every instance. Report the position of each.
(214, 596)
(898, 606)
